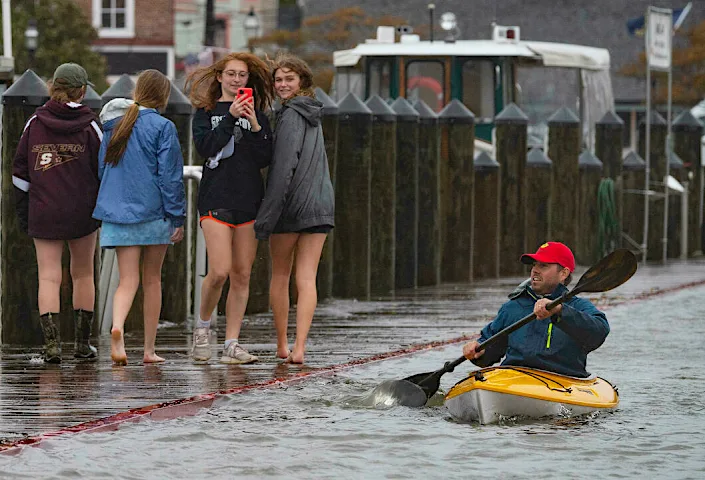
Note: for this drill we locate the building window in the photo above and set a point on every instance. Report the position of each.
(114, 18)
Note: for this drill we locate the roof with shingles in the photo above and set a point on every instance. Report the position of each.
(595, 23)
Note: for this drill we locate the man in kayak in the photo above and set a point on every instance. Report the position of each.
(558, 340)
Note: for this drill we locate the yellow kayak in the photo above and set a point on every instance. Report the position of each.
(494, 392)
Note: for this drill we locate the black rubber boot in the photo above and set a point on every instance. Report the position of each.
(82, 321)
(52, 339)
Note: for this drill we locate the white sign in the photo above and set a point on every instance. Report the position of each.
(658, 38)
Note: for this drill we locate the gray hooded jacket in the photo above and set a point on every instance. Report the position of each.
(299, 191)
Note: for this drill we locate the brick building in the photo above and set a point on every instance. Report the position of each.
(133, 35)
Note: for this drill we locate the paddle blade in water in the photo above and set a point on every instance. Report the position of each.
(610, 272)
(396, 392)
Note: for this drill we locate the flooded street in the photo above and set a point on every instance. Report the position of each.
(312, 429)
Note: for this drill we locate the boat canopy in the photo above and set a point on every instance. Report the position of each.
(548, 53)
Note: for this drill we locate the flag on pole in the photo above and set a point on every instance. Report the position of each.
(635, 26)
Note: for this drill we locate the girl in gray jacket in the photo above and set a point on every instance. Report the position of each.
(298, 207)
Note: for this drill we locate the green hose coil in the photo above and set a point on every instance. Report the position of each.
(609, 231)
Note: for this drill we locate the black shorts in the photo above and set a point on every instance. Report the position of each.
(314, 229)
(231, 218)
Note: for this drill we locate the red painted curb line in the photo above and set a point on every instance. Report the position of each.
(192, 405)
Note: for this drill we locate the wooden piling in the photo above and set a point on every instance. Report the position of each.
(677, 171)
(563, 149)
(351, 276)
(383, 198)
(657, 174)
(486, 228)
(539, 173)
(608, 148)
(429, 182)
(511, 133)
(687, 131)
(633, 173)
(406, 228)
(457, 191)
(587, 248)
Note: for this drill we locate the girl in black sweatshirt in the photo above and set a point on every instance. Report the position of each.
(235, 140)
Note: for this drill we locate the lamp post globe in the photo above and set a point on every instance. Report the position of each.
(31, 39)
(251, 25)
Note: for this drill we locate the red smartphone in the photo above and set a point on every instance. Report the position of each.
(244, 92)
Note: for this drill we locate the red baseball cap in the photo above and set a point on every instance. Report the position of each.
(551, 252)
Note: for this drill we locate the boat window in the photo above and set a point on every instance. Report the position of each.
(543, 91)
(424, 81)
(346, 80)
(478, 88)
(379, 75)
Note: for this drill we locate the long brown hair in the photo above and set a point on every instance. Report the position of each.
(64, 94)
(301, 68)
(152, 91)
(205, 89)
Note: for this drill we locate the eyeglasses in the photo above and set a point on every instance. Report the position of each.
(233, 73)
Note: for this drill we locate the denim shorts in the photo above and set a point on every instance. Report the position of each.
(153, 232)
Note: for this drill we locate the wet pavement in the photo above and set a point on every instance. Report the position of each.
(36, 399)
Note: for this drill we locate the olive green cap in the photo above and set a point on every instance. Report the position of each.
(71, 75)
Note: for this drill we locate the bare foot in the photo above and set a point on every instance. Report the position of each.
(117, 347)
(283, 352)
(152, 358)
(295, 357)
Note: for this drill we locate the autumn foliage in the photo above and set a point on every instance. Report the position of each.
(321, 35)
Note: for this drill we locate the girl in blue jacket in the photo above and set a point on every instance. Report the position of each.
(141, 201)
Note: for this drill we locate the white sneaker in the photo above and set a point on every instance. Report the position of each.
(235, 354)
(201, 351)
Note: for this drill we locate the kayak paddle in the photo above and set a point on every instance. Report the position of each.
(610, 272)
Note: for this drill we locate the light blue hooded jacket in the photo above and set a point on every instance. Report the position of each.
(147, 183)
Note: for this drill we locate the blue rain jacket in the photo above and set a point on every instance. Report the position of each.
(147, 183)
(557, 344)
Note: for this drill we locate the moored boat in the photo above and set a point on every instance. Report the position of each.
(488, 394)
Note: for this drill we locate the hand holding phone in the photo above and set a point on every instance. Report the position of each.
(244, 93)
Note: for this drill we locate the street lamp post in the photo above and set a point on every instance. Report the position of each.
(251, 26)
(31, 40)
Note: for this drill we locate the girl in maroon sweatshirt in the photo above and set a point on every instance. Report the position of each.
(55, 174)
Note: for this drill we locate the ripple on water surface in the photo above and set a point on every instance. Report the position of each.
(315, 429)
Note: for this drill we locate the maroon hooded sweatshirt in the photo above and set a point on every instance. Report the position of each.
(55, 172)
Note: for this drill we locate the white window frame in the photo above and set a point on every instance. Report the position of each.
(107, 32)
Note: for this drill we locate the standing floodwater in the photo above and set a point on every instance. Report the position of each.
(654, 355)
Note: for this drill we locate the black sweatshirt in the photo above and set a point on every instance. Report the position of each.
(233, 157)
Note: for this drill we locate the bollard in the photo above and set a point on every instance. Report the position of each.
(382, 199)
(329, 122)
(539, 174)
(457, 191)
(122, 88)
(687, 131)
(406, 229)
(92, 100)
(486, 228)
(633, 173)
(677, 171)
(428, 266)
(563, 149)
(511, 138)
(587, 248)
(608, 148)
(657, 173)
(18, 299)
(351, 253)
